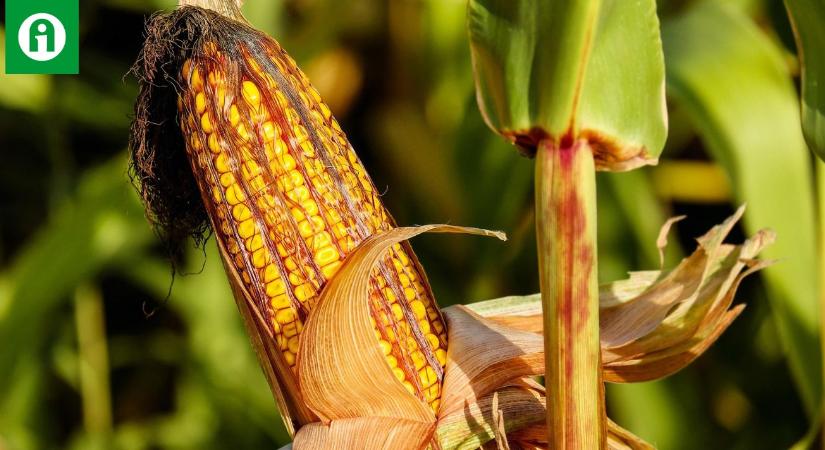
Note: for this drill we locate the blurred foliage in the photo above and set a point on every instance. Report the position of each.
(85, 365)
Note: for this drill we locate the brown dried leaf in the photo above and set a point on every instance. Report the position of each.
(692, 327)
(621, 439)
(498, 428)
(655, 323)
(342, 372)
(661, 241)
(626, 323)
(535, 437)
(659, 365)
(369, 433)
(483, 356)
(526, 308)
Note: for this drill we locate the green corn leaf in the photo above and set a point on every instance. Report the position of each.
(718, 62)
(556, 69)
(808, 17)
(530, 56)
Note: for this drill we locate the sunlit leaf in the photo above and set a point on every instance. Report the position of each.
(808, 19)
(718, 62)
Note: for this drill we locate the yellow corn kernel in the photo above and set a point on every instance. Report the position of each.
(285, 316)
(251, 94)
(433, 392)
(441, 356)
(397, 311)
(399, 374)
(427, 376)
(260, 257)
(200, 103)
(234, 115)
(279, 301)
(418, 359)
(290, 329)
(214, 145)
(271, 274)
(206, 123)
(433, 340)
(222, 163)
(292, 344)
(270, 131)
(228, 179)
(243, 133)
(241, 212)
(304, 292)
(195, 80)
(234, 195)
(246, 228)
(418, 308)
(331, 269)
(423, 325)
(326, 256)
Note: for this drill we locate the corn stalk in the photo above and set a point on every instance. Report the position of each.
(566, 234)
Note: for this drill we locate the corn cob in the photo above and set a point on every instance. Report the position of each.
(289, 199)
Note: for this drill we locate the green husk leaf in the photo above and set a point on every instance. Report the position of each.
(559, 69)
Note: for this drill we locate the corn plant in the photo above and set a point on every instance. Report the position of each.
(229, 135)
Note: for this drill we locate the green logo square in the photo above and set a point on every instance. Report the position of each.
(42, 36)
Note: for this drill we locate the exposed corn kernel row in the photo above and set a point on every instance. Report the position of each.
(292, 200)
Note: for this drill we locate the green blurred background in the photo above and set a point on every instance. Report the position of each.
(85, 364)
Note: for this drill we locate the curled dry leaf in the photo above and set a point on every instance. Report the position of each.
(626, 323)
(378, 433)
(695, 319)
(488, 395)
(656, 322)
(342, 371)
(661, 241)
(484, 356)
(499, 429)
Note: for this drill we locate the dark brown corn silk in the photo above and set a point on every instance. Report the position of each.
(229, 129)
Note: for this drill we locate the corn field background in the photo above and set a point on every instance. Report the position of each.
(99, 348)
